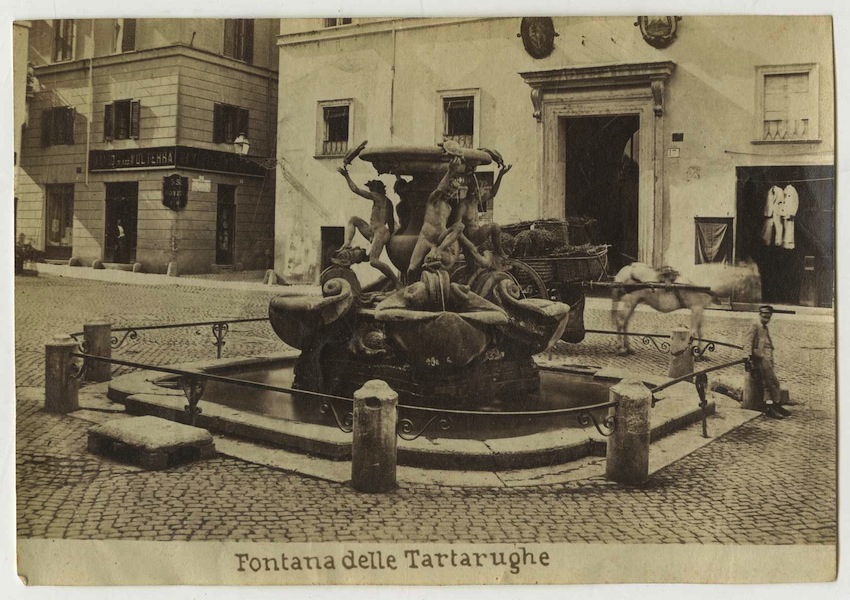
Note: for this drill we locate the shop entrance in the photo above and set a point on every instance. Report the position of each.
(59, 236)
(122, 210)
(225, 224)
(786, 224)
(602, 180)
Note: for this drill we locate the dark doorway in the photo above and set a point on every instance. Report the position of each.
(59, 237)
(795, 269)
(225, 224)
(122, 210)
(602, 180)
(332, 240)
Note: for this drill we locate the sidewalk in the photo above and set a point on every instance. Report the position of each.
(232, 280)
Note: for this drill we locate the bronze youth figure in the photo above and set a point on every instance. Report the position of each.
(380, 227)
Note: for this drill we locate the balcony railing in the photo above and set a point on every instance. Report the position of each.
(464, 141)
(331, 147)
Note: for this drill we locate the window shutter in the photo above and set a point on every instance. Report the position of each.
(128, 39)
(69, 117)
(242, 122)
(218, 123)
(46, 126)
(249, 41)
(107, 121)
(135, 113)
(229, 37)
(57, 39)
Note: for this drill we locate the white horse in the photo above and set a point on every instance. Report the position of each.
(724, 281)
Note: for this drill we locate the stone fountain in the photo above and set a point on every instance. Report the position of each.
(456, 332)
(454, 336)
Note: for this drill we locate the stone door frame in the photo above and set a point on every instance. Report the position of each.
(610, 90)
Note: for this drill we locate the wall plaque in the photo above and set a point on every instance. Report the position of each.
(175, 191)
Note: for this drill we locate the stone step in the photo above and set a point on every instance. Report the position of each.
(151, 442)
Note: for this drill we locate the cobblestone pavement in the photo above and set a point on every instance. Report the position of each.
(768, 482)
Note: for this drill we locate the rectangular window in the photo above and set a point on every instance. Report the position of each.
(336, 122)
(337, 22)
(121, 120)
(57, 125)
(228, 122)
(787, 103)
(239, 39)
(125, 38)
(63, 39)
(459, 120)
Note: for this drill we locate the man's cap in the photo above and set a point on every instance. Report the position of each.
(766, 308)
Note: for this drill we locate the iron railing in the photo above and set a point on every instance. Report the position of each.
(193, 384)
(220, 329)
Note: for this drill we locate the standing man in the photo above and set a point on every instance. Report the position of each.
(759, 347)
(121, 244)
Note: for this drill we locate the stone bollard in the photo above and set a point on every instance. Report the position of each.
(681, 356)
(752, 395)
(627, 458)
(98, 341)
(60, 389)
(373, 452)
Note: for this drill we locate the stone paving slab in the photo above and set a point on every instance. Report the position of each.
(151, 442)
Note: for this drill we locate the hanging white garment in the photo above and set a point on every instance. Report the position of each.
(789, 214)
(771, 232)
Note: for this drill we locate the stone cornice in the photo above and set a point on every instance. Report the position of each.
(179, 50)
(372, 27)
(653, 75)
(600, 75)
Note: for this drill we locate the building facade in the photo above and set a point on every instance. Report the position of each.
(666, 134)
(22, 83)
(128, 153)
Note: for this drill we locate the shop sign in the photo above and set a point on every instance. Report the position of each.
(172, 157)
(136, 158)
(175, 191)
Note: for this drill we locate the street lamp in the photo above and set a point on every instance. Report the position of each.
(241, 146)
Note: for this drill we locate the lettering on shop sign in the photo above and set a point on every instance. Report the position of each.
(172, 157)
(175, 190)
(137, 158)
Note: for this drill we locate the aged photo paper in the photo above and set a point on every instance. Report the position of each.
(424, 300)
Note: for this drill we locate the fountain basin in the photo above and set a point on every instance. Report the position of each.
(479, 442)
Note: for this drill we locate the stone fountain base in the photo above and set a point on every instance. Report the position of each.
(151, 393)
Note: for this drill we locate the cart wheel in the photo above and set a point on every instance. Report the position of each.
(529, 281)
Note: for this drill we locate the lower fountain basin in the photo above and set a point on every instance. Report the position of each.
(483, 441)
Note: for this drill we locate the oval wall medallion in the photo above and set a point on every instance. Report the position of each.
(658, 32)
(538, 36)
